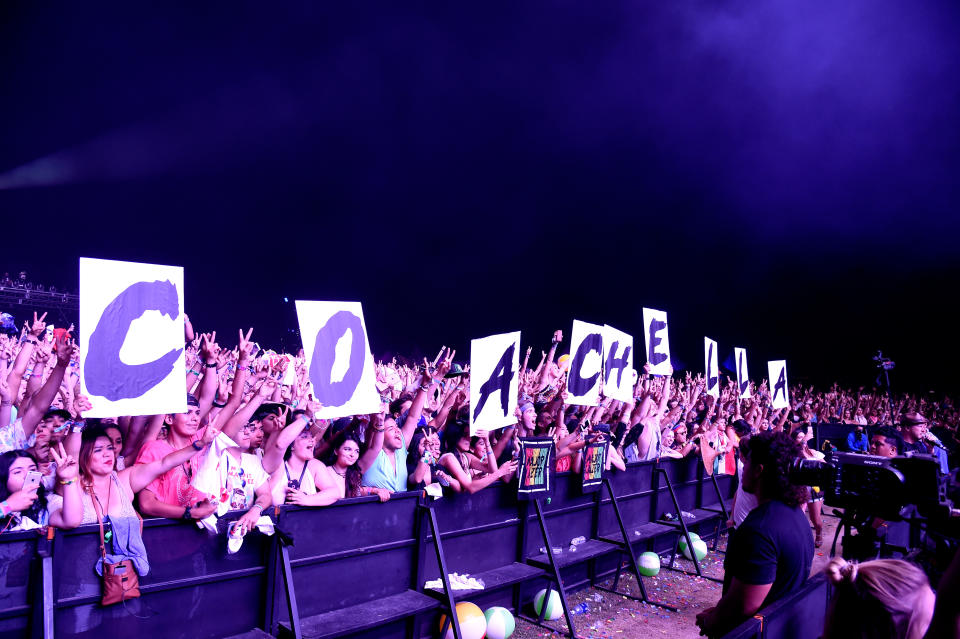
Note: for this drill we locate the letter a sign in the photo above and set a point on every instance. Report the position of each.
(779, 391)
(338, 358)
(495, 381)
(131, 338)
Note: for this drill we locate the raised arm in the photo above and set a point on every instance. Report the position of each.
(140, 475)
(557, 338)
(239, 376)
(374, 442)
(209, 351)
(242, 416)
(41, 402)
(416, 409)
(273, 456)
(28, 341)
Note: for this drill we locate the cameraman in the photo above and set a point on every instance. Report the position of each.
(769, 555)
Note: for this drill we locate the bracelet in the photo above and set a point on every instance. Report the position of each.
(193, 372)
(67, 482)
(424, 388)
(214, 365)
(216, 405)
(197, 445)
(5, 508)
(256, 505)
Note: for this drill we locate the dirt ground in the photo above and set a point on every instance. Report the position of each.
(613, 616)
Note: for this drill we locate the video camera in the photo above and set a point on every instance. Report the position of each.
(881, 486)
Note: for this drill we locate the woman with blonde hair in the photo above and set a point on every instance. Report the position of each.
(885, 598)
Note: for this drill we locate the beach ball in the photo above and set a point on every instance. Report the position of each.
(554, 607)
(473, 624)
(699, 547)
(649, 564)
(500, 623)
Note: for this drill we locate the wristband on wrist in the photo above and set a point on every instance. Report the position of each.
(256, 505)
(197, 445)
(424, 388)
(213, 365)
(5, 509)
(216, 405)
(186, 512)
(193, 371)
(67, 482)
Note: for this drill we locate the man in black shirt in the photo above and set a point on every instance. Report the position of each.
(770, 554)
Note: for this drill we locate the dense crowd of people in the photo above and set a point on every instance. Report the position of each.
(249, 441)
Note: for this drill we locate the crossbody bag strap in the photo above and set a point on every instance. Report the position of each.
(96, 510)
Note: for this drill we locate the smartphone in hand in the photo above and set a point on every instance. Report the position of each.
(32, 482)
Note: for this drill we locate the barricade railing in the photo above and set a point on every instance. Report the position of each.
(800, 615)
(345, 559)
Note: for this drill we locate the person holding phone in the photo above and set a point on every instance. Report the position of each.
(24, 502)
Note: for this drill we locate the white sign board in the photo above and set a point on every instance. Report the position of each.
(779, 391)
(618, 372)
(131, 338)
(495, 381)
(743, 375)
(339, 362)
(586, 362)
(711, 368)
(655, 335)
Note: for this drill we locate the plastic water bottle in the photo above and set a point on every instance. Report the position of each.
(580, 609)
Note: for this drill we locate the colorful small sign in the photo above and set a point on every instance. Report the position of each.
(536, 460)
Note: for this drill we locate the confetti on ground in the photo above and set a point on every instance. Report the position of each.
(615, 615)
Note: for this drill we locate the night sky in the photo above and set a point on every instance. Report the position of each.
(781, 176)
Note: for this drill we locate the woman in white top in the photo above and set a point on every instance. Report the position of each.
(303, 480)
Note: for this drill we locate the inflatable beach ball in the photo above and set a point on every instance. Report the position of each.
(699, 547)
(500, 623)
(554, 607)
(473, 624)
(649, 564)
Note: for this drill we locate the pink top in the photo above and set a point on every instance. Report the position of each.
(173, 487)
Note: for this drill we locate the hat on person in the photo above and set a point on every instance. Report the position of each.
(913, 419)
(455, 371)
(58, 412)
(192, 400)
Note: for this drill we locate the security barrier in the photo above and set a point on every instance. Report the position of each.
(356, 568)
(800, 615)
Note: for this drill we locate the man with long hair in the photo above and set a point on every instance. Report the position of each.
(770, 553)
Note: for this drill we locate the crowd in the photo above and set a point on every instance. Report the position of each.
(248, 440)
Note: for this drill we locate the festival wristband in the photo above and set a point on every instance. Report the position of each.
(5, 508)
(197, 445)
(67, 482)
